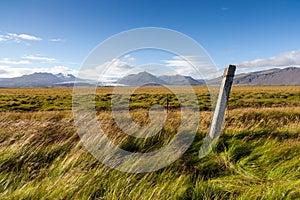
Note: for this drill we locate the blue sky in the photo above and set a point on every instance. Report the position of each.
(57, 35)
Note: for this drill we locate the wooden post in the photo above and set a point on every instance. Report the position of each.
(167, 104)
(218, 117)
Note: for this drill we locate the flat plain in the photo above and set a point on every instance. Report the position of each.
(256, 157)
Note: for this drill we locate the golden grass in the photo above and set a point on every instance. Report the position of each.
(146, 89)
(41, 156)
(256, 157)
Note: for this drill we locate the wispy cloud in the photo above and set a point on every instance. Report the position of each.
(29, 37)
(282, 60)
(8, 61)
(224, 8)
(56, 40)
(198, 67)
(9, 72)
(25, 60)
(128, 58)
(108, 71)
(39, 58)
(18, 37)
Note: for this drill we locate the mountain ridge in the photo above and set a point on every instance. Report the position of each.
(37, 79)
(275, 76)
(142, 78)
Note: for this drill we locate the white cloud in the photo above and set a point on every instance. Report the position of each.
(38, 58)
(128, 58)
(282, 60)
(2, 38)
(29, 37)
(9, 72)
(56, 40)
(108, 71)
(8, 61)
(60, 69)
(118, 68)
(18, 37)
(178, 61)
(197, 67)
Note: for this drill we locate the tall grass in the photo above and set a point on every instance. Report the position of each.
(256, 157)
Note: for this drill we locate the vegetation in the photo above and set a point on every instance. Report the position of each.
(256, 157)
(48, 99)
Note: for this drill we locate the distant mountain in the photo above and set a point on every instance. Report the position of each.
(276, 76)
(285, 76)
(39, 80)
(181, 80)
(145, 78)
(142, 78)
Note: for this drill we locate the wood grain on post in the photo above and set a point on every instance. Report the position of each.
(219, 113)
(167, 104)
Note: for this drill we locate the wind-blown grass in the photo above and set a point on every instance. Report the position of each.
(256, 157)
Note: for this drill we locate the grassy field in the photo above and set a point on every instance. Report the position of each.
(50, 99)
(256, 157)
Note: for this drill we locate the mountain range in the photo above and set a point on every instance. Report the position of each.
(145, 78)
(38, 79)
(276, 76)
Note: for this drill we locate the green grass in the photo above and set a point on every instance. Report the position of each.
(47, 99)
(256, 157)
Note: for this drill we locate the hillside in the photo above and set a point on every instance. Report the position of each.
(142, 78)
(181, 80)
(38, 80)
(145, 78)
(285, 76)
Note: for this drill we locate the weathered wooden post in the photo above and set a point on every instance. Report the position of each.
(218, 117)
(167, 104)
